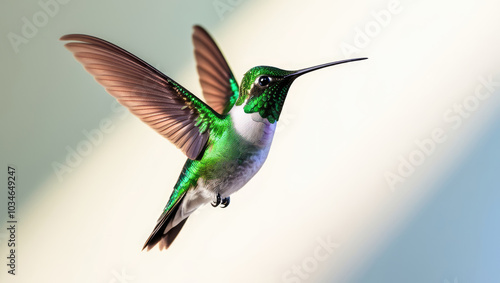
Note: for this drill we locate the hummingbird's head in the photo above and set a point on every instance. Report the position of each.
(264, 89)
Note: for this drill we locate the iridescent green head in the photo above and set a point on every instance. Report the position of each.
(264, 89)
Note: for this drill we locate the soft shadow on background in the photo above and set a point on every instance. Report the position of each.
(452, 235)
(337, 200)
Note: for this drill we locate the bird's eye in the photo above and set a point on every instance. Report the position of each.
(264, 80)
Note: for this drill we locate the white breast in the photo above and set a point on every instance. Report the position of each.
(255, 130)
(252, 127)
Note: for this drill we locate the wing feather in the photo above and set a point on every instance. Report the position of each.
(217, 81)
(156, 99)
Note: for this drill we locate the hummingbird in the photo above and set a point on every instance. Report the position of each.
(226, 139)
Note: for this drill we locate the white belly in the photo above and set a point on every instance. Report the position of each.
(255, 131)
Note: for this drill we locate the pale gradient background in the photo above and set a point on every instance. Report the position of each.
(341, 131)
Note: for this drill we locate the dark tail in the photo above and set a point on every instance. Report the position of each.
(163, 234)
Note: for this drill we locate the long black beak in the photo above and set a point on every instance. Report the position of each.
(307, 70)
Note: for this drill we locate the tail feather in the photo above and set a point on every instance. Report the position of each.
(162, 235)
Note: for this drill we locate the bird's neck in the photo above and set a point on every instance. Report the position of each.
(252, 127)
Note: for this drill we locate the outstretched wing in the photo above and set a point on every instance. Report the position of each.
(156, 99)
(220, 89)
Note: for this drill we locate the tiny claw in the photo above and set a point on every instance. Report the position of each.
(217, 202)
(225, 202)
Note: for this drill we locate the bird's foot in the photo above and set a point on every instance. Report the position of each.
(225, 202)
(217, 201)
